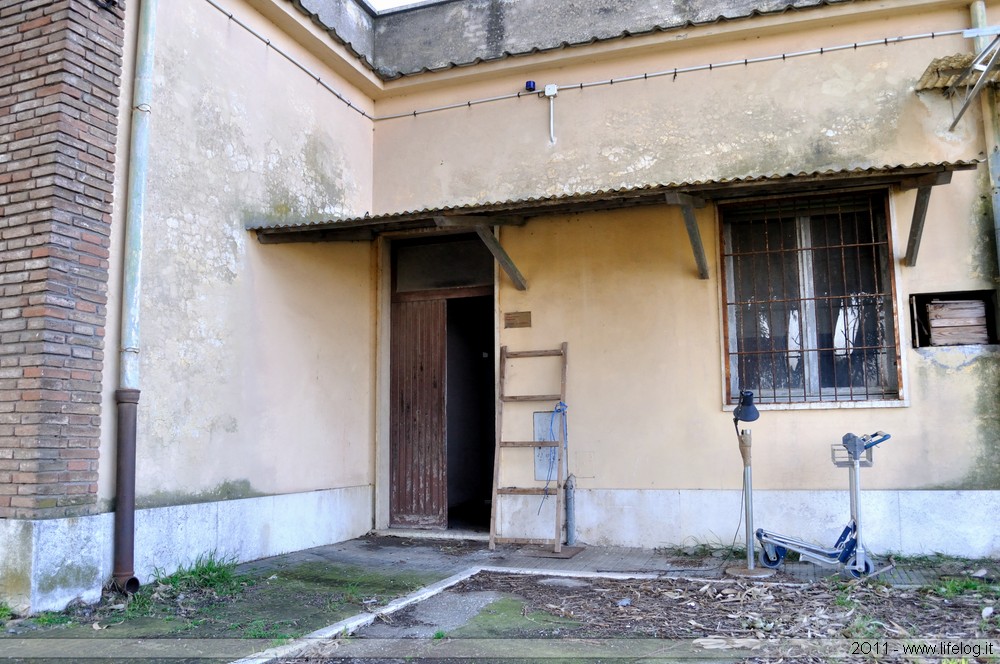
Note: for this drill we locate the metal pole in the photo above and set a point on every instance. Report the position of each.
(991, 124)
(127, 394)
(745, 442)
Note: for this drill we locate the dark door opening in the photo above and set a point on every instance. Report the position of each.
(471, 412)
(442, 408)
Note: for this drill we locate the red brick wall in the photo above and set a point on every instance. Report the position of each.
(60, 68)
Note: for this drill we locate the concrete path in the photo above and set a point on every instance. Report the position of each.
(426, 552)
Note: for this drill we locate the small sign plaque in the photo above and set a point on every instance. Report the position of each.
(517, 319)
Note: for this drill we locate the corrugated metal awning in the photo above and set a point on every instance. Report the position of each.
(517, 211)
(944, 72)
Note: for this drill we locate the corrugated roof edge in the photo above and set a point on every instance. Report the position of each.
(389, 75)
(941, 73)
(539, 202)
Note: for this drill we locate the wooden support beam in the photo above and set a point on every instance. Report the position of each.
(471, 220)
(677, 198)
(278, 236)
(687, 205)
(929, 180)
(917, 225)
(485, 234)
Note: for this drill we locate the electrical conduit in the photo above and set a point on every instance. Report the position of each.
(127, 394)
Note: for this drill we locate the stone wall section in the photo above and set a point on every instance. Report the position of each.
(60, 69)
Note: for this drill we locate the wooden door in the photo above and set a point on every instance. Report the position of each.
(418, 493)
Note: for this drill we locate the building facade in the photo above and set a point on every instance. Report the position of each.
(290, 238)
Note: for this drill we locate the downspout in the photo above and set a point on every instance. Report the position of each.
(991, 127)
(127, 394)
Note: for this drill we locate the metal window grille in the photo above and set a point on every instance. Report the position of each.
(809, 303)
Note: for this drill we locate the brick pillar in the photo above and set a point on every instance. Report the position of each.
(60, 69)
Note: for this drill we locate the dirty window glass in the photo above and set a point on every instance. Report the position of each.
(809, 303)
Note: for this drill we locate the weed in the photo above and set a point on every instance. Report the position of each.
(352, 593)
(51, 618)
(955, 586)
(207, 572)
(438, 635)
(261, 629)
(139, 605)
(6, 613)
(844, 600)
(864, 627)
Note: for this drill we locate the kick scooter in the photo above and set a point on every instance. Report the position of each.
(849, 550)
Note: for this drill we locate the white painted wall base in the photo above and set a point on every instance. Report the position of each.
(961, 523)
(46, 564)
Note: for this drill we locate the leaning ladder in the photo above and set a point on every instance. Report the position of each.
(556, 541)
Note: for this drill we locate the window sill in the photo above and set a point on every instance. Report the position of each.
(826, 405)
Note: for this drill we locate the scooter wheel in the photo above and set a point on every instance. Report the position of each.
(767, 560)
(869, 567)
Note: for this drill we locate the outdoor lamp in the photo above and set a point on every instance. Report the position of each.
(745, 411)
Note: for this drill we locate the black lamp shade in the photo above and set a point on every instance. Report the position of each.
(745, 411)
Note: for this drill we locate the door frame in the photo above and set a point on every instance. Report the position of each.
(383, 302)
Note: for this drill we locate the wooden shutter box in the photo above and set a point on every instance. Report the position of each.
(957, 322)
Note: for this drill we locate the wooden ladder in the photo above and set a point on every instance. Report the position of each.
(556, 541)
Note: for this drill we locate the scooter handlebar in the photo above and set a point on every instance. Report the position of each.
(876, 438)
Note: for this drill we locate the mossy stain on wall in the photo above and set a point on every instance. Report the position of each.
(978, 369)
(69, 575)
(983, 256)
(985, 472)
(15, 564)
(307, 185)
(230, 490)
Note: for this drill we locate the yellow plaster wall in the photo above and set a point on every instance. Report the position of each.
(646, 363)
(257, 369)
(838, 110)
(646, 371)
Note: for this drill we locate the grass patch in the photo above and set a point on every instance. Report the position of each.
(353, 586)
(864, 627)
(6, 613)
(506, 618)
(51, 619)
(207, 572)
(210, 599)
(958, 586)
(262, 629)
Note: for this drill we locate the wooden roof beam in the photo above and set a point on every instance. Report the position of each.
(923, 186)
(474, 220)
(917, 225)
(485, 234)
(687, 204)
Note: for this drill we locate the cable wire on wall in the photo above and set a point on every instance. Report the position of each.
(673, 73)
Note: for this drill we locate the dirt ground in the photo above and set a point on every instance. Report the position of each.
(550, 616)
(959, 607)
(689, 609)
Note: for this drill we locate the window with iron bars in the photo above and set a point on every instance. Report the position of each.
(809, 299)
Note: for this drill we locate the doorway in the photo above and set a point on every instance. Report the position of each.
(442, 409)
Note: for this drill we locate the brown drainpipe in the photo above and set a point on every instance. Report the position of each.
(124, 564)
